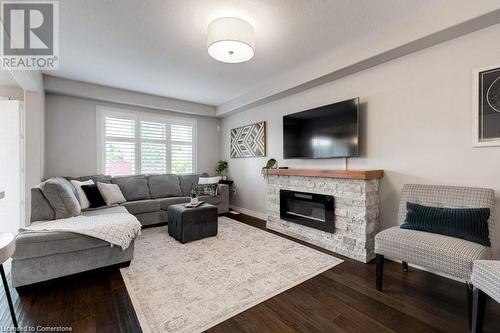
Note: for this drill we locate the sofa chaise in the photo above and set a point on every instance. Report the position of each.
(45, 256)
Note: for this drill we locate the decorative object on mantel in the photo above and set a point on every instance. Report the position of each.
(220, 169)
(249, 141)
(486, 106)
(271, 164)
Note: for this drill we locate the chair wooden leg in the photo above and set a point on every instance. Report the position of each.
(470, 289)
(379, 271)
(404, 265)
(478, 308)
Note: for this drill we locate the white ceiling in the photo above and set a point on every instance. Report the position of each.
(159, 47)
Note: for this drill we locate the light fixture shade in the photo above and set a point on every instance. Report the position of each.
(230, 39)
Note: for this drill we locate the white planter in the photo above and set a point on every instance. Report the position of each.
(194, 201)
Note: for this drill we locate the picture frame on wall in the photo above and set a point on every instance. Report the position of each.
(486, 106)
(248, 141)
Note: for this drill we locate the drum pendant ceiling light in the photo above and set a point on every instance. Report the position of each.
(230, 39)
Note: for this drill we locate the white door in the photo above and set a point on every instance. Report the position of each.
(11, 166)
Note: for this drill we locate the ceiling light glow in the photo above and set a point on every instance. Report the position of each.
(231, 40)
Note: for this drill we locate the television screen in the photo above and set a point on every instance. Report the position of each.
(326, 132)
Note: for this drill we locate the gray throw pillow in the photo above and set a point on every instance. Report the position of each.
(164, 186)
(188, 181)
(61, 196)
(133, 187)
(111, 193)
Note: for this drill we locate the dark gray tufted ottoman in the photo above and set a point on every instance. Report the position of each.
(190, 224)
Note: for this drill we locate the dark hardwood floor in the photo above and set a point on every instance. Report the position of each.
(342, 299)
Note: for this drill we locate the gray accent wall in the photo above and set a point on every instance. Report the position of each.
(71, 135)
(416, 124)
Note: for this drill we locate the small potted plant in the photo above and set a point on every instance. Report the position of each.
(194, 198)
(221, 168)
(271, 164)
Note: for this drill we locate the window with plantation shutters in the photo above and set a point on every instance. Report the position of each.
(134, 143)
(119, 146)
(182, 148)
(153, 147)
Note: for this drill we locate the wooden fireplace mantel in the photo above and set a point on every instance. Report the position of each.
(346, 174)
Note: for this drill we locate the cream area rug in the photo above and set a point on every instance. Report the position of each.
(191, 287)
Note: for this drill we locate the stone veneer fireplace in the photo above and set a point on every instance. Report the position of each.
(352, 224)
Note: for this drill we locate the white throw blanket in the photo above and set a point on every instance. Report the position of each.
(118, 229)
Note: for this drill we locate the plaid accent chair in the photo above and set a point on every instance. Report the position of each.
(486, 281)
(439, 253)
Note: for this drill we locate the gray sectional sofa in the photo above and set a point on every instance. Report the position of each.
(45, 256)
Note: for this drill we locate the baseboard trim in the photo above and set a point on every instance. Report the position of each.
(252, 213)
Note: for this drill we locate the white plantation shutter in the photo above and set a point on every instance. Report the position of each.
(153, 147)
(120, 128)
(153, 130)
(119, 146)
(134, 143)
(181, 137)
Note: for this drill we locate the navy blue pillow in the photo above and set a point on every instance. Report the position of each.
(466, 223)
(93, 195)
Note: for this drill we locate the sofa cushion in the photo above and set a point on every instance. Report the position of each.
(166, 202)
(152, 218)
(188, 181)
(163, 186)
(41, 210)
(142, 206)
(133, 187)
(96, 178)
(449, 255)
(61, 196)
(40, 244)
(105, 210)
(210, 199)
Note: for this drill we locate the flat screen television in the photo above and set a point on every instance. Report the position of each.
(329, 131)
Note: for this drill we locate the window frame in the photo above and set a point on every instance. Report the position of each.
(104, 111)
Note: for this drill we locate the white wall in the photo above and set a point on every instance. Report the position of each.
(60, 86)
(10, 165)
(34, 144)
(12, 93)
(416, 124)
(71, 147)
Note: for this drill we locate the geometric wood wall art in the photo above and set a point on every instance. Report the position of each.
(249, 141)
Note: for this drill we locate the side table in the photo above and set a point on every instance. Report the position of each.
(7, 247)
